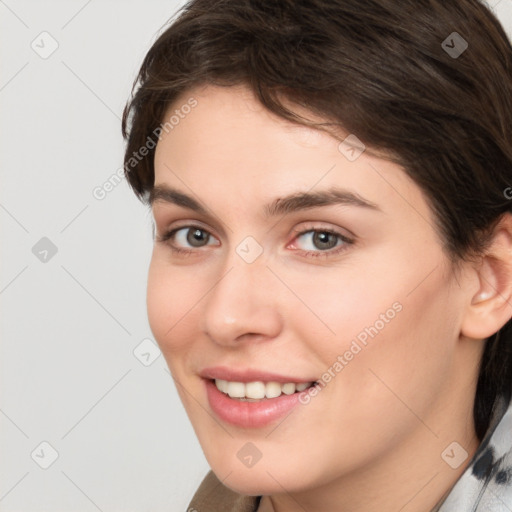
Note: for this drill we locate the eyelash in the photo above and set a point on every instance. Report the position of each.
(167, 237)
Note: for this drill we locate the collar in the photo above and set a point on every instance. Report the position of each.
(486, 484)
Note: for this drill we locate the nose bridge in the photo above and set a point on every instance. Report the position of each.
(242, 302)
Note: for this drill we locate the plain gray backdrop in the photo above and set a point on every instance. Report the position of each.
(89, 416)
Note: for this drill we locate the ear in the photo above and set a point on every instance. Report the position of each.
(490, 307)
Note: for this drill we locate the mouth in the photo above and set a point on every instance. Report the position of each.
(258, 391)
(252, 398)
(253, 404)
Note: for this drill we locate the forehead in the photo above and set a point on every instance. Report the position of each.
(230, 142)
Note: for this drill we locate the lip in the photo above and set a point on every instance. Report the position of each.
(249, 414)
(248, 375)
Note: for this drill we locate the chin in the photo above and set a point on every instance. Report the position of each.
(250, 484)
(261, 479)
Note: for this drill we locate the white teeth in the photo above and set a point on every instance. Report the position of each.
(222, 385)
(255, 390)
(289, 388)
(258, 390)
(236, 389)
(272, 389)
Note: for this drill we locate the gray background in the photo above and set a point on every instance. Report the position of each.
(73, 371)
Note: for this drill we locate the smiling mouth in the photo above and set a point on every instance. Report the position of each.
(257, 391)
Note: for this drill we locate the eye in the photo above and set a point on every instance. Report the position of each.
(195, 237)
(189, 237)
(320, 240)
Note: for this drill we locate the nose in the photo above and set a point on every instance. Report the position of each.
(243, 306)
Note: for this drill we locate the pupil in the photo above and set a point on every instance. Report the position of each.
(324, 240)
(197, 237)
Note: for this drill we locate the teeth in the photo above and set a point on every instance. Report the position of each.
(222, 385)
(255, 390)
(236, 389)
(259, 390)
(272, 389)
(289, 388)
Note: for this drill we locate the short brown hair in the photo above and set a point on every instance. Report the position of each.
(427, 82)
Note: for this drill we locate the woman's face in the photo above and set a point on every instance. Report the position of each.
(284, 257)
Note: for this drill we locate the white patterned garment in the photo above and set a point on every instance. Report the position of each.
(486, 484)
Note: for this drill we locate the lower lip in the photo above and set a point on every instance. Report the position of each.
(249, 414)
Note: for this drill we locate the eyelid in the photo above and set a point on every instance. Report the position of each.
(168, 227)
(166, 214)
(307, 227)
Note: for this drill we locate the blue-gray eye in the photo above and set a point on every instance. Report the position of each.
(318, 240)
(192, 237)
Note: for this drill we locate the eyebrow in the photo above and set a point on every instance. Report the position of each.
(280, 206)
(163, 193)
(306, 200)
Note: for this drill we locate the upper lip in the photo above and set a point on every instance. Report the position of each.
(248, 375)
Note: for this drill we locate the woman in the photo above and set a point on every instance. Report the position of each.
(331, 278)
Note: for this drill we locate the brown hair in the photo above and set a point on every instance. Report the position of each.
(426, 82)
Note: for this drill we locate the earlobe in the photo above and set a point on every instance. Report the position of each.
(490, 306)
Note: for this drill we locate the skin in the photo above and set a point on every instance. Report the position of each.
(372, 439)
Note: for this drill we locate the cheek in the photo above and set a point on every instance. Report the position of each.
(172, 297)
(342, 304)
(407, 360)
(384, 322)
